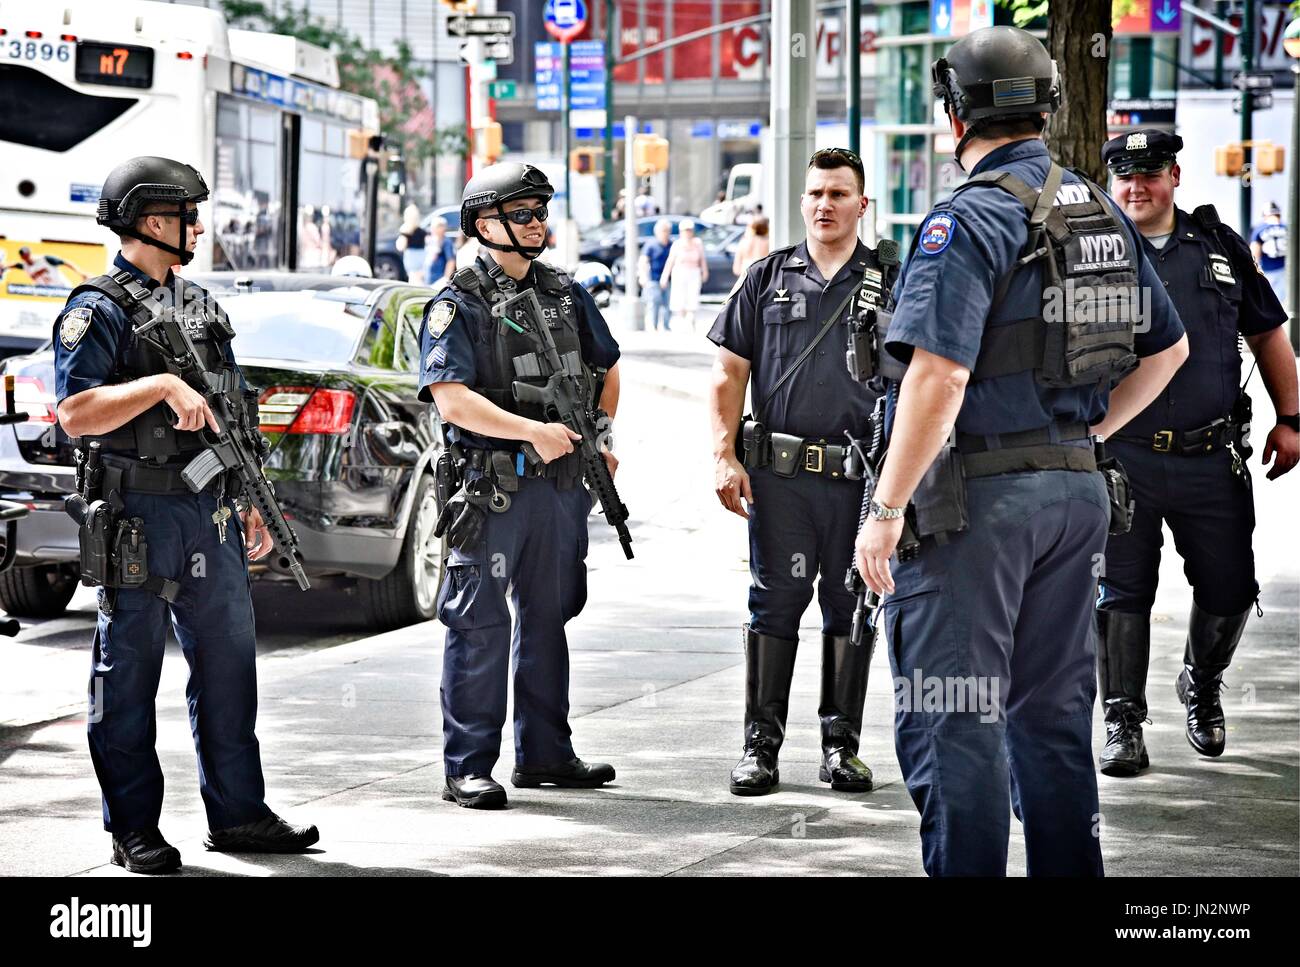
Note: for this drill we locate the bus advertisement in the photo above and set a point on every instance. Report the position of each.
(86, 85)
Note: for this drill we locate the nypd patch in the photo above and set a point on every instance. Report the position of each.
(936, 233)
(73, 326)
(440, 317)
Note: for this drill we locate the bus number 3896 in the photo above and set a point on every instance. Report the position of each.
(32, 50)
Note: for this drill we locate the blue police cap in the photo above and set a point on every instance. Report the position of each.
(1141, 152)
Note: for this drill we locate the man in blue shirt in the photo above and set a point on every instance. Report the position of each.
(518, 525)
(117, 392)
(1185, 455)
(988, 626)
(653, 259)
(440, 262)
(1268, 244)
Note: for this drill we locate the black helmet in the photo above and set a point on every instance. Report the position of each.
(996, 72)
(145, 180)
(495, 186)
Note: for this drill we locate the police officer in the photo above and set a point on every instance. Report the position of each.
(517, 526)
(785, 326)
(988, 626)
(115, 391)
(1185, 456)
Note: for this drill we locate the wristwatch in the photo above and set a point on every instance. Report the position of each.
(880, 511)
(1292, 421)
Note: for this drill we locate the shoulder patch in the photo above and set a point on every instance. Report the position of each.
(440, 317)
(73, 326)
(937, 233)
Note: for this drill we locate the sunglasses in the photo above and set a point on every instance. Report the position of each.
(522, 216)
(190, 215)
(843, 154)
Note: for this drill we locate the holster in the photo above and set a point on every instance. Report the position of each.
(752, 443)
(1118, 491)
(447, 477)
(1240, 418)
(939, 503)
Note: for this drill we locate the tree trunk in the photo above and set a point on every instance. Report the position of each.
(1079, 38)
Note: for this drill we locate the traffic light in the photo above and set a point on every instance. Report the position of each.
(585, 161)
(487, 141)
(1270, 158)
(1228, 160)
(649, 154)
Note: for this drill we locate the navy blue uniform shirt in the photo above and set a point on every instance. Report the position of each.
(945, 293)
(101, 341)
(459, 352)
(776, 312)
(1216, 300)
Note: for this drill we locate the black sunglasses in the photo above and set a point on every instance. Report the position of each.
(191, 215)
(842, 153)
(522, 216)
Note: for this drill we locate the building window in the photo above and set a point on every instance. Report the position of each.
(247, 196)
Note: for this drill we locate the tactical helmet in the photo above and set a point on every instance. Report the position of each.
(136, 183)
(996, 72)
(496, 185)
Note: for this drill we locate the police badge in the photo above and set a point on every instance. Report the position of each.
(73, 326)
(440, 318)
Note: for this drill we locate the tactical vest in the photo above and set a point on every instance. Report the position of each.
(151, 435)
(1089, 305)
(511, 355)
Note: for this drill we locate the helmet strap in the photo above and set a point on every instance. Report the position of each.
(529, 252)
(180, 252)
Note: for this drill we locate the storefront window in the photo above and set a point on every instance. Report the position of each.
(246, 199)
(331, 197)
(907, 159)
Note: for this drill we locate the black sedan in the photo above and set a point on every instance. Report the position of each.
(335, 361)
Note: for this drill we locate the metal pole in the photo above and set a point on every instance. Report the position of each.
(1247, 111)
(633, 317)
(568, 197)
(853, 51)
(794, 117)
(1293, 217)
(610, 37)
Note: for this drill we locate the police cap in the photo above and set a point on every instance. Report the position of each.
(1141, 152)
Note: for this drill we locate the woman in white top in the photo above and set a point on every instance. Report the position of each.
(686, 270)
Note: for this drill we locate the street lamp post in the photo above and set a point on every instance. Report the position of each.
(1291, 42)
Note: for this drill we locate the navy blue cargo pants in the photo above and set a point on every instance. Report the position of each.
(213, 620)
(991, 641)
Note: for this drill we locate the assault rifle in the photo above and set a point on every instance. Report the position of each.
(564, 400)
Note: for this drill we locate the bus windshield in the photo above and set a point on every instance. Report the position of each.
(37, 111)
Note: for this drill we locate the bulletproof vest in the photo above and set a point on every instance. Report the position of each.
(1090, 299)
(512, 356)
(1090, 302)
(151, 435)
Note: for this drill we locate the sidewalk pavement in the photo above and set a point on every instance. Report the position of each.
(351, 739)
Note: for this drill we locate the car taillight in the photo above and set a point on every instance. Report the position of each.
(301, 409)
(30, 397)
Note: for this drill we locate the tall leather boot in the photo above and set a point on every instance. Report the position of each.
(1123, 654)
(769, 666)
(1211, 641)
(844, 692)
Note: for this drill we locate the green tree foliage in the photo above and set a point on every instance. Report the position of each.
(405, 116)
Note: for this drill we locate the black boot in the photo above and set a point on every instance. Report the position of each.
(1211, 641)
(844, 692)
(1123, 653)
(769, 666)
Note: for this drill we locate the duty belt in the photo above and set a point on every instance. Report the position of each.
(503, 463)
(132, 476)
(1187, 443)
(787, 455)
(1057, 447)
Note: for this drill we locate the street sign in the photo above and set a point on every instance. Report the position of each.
(465, 25)
(586, 72)
(1146, 17)
(1260, 101)
(565, 19)
(502, 90)
(1252, 82)
(495, 50)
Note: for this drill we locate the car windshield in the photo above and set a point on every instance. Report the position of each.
(717, 236)
(303, 326)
